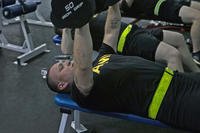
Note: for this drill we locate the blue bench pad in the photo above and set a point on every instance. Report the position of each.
(64, 101)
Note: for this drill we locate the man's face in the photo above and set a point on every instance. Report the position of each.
(62, 71)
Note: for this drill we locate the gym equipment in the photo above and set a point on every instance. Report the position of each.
(15, 10)
(40, 19)
(63, 57)
(7, 2)
(76, 13)
(43, 72)
(27, 47)
(69, 107)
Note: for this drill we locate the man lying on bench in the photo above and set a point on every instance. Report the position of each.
(126, 84)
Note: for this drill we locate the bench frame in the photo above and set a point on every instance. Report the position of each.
(69, 108)
(27, 48)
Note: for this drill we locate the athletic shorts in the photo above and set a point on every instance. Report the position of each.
(180, 106)
(143, 43)
(169, 10)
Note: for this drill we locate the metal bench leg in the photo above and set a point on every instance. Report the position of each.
(63, 123)
(76, 125)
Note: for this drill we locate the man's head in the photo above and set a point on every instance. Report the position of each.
(60, 76)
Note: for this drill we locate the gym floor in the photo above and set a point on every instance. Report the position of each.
(26, 103)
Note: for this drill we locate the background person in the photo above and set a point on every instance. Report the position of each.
(177, 11)
(153, 44)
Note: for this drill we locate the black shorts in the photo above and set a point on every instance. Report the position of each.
(169, 10)
(180, 106)
(97, 24)
(143, 43)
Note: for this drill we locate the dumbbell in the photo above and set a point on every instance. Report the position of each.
(76, 13)
(18, 9)
(4, 3)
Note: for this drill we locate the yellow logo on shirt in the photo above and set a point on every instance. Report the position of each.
(102, 61)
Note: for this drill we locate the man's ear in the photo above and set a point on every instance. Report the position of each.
(62, 85)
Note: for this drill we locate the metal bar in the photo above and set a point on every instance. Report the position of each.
(26, 56)
(63, 123)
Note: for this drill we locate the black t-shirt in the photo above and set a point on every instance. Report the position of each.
(121, 83)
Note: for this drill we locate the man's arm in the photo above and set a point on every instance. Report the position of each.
(66, 42)
(112, 26)
(83, 75)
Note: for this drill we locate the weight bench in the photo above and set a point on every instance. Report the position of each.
(68, 107)
(27, 48)
(40, 19)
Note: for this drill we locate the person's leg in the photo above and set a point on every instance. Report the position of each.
(191, 15)
(170, 55)
(97, 24)
(177, 40)
(147, 44)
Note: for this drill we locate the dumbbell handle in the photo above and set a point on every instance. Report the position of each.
(63, 57)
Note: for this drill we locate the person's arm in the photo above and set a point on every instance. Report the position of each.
(112, 26)
(66, 42)
(83, 75)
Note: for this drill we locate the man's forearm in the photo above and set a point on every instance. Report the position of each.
(83, 75)
(83, 47)
(67, 42)
(112, 26)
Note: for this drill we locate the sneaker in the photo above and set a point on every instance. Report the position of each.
(196, 57)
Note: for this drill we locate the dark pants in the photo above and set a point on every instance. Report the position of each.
(181, 105)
